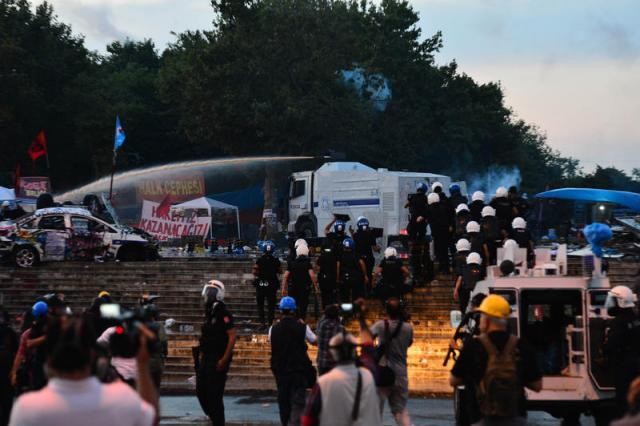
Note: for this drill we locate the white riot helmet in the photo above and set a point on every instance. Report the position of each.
(620, 296)
(462, 207)
(501, 192)
(433, 198)
(300, 242)
(302, 250)
(488, 211)
(519, 223)
(435, 185)
(342, 347)
(474, 258)
(390, 252)
(478, 196)
(463, 245)
(213, 291)
(473, 226)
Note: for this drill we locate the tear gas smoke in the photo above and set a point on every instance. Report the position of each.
(494, 177)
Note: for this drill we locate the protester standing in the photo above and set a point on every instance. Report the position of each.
(328, 326)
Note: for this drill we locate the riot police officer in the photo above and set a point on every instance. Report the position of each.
(503, 207)
(352, 275)
(455, 195)
(327, 265)
(337, 235)
(366, 244)
(391, 275)
(441, 222)
(476, 206)
(421, 263)
(622, 344)
(266, 271)
(522, 236)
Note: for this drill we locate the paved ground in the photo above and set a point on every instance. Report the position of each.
(263, 411)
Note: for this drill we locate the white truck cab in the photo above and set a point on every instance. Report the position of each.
(354, 189)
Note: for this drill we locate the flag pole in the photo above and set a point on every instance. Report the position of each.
(113, 169)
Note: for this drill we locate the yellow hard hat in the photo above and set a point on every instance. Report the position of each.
(495, 306)
(103, 293)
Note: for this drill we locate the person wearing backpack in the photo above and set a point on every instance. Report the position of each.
(395, 336)
(499, 366)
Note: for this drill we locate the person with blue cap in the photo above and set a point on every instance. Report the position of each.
(290, 362)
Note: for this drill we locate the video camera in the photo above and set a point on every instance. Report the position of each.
(125, 341)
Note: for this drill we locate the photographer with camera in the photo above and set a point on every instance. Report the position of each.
(74, 397)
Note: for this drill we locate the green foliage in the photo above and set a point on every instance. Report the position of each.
(264, 80)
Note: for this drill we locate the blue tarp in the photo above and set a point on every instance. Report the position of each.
(627, 199)
(250, 198)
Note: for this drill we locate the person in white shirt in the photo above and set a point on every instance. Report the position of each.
(74, 397)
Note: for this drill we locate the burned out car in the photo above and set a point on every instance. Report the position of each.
(71, 233)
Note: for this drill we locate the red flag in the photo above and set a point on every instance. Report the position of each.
(164, 206)
(38, 147)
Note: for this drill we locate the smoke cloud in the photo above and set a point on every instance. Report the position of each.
(494, 177)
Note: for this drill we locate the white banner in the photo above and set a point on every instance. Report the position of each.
(166, 226)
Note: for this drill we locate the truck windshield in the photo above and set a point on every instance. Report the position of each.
(297, 188)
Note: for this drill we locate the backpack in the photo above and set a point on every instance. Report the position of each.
(499, 390)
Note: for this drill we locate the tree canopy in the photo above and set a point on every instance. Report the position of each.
(267, 78)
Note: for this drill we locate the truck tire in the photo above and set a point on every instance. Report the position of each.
(25, 257)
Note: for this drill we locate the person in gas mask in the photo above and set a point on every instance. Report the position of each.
(217, 340)
(476, 206)
(298, 280)
(491, 232)
(421, 264)
(351, 273)
(522, 236)
(456, 196)
(391, 275)
(266, 271)
(463, 216)
(441, 222)
(366, 244)
(503, 207)
(622, 343)
(326, 268)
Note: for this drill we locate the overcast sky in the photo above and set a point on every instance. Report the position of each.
(571, 67)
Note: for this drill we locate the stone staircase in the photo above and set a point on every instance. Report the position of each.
(179, 283)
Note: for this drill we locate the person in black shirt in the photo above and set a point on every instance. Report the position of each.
(327, 266)
(476, 206)
(503, 207)
(266, 271)
(215, 352)
(466, 281)
(290, 362)
(519, 205)
(421, 264)
(441, 220)
(391, 275)
(455, 196)
(337, 235)
(352, 273)
(471, 366)
(477, 241)
(366, 244)
(522, 236)
(491, 232)
(463, 248)
(298, 279)
(463, 216)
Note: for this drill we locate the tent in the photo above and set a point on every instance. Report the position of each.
(209, 205)
(7, 194)
(631, 200)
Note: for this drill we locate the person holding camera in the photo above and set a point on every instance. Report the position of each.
(73, 397)
(215, 352)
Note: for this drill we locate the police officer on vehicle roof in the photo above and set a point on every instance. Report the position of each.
(499, 365)
(622, 344)
(266, 270)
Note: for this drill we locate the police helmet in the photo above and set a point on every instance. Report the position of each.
(302, 251)
(463, 245)
(39, 309)
(436, 185)
(390, 252)
(473, 226)
(462, 207)
(519, 223)
(488, 211)
(363, 223)
(338, 226)
(268, 246)
(474, 258)
(433, 198)
(454, 188)
(213, 291)
(501, 192)
(422, 187)
(287, 303)
(300, 242)
(477, 196)
(620, 296)
(348, 243)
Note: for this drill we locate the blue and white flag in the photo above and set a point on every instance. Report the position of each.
(120, 136)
